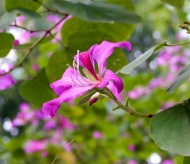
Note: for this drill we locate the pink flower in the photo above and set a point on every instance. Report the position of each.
(35, 146)
(97, 135)
(73, 84)
(167, 161)
(131, 147)
(136, 93)
(6, 81)
(16, 42)
(24, 116)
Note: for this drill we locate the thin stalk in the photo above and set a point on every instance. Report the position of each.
(120, 105)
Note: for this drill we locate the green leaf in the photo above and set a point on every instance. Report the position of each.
(182, 77)
(116, 31)
(170, 129)
(26, 4)
(29, 13)
(2, 7)
(7, 18)
(186, 160)
(37, 90)
(127, 3)
(97, 11)
(6, 42)
(57, 65)
(175, 3)
(129, 67)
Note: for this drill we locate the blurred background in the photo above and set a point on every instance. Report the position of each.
(95, 134)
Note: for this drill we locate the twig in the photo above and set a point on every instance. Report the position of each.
(120, 105)
(59, 153)
(35, 45)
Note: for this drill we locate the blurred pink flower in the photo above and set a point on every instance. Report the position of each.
(73, 84)
(35, 67)
(24, 106)
(65, 123)
(34, 146)
(98, 135)
(50, 124)
(131, 147)
(67, 146)
(167, 161)
(24, 116)
(136, 93)
(6, 81)
(167, 105)
(16, 42)
(132, 162)
(20, 20)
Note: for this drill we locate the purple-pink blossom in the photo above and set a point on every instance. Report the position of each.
(6, 80)
(35, 146)
(74, 84)
(97, 135)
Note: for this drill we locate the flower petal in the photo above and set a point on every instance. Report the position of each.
(101, 52)
(51, 107)
(6, 81)
(86, 61)
(110, 76)
(69, 79)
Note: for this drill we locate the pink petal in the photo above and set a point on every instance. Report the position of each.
(6, 81)
(110, 76)
(101, 52)
(69, 79)
(50, 108)
(85, 60)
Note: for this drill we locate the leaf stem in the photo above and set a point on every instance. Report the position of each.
(179, 44)
(120, 105)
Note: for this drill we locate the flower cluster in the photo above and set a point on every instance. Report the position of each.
(54, 128)
(172, 59)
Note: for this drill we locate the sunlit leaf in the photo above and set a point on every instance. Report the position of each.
(182, 77)
(97, 11)
(170, 129)
(129, 67)
(6, 42)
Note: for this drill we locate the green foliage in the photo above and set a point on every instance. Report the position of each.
(182, 77)
(5, 47)
(103, 31)
(91, 23)
(37, 90)
(28, 13)
(186, 160)
(57, 65)
(97, 11)
(170, 129)
(129, 67)
(7, 18)
(175, 3)
(24, 4)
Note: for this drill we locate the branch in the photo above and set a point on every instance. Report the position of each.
(120, 105)
(35, 45)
